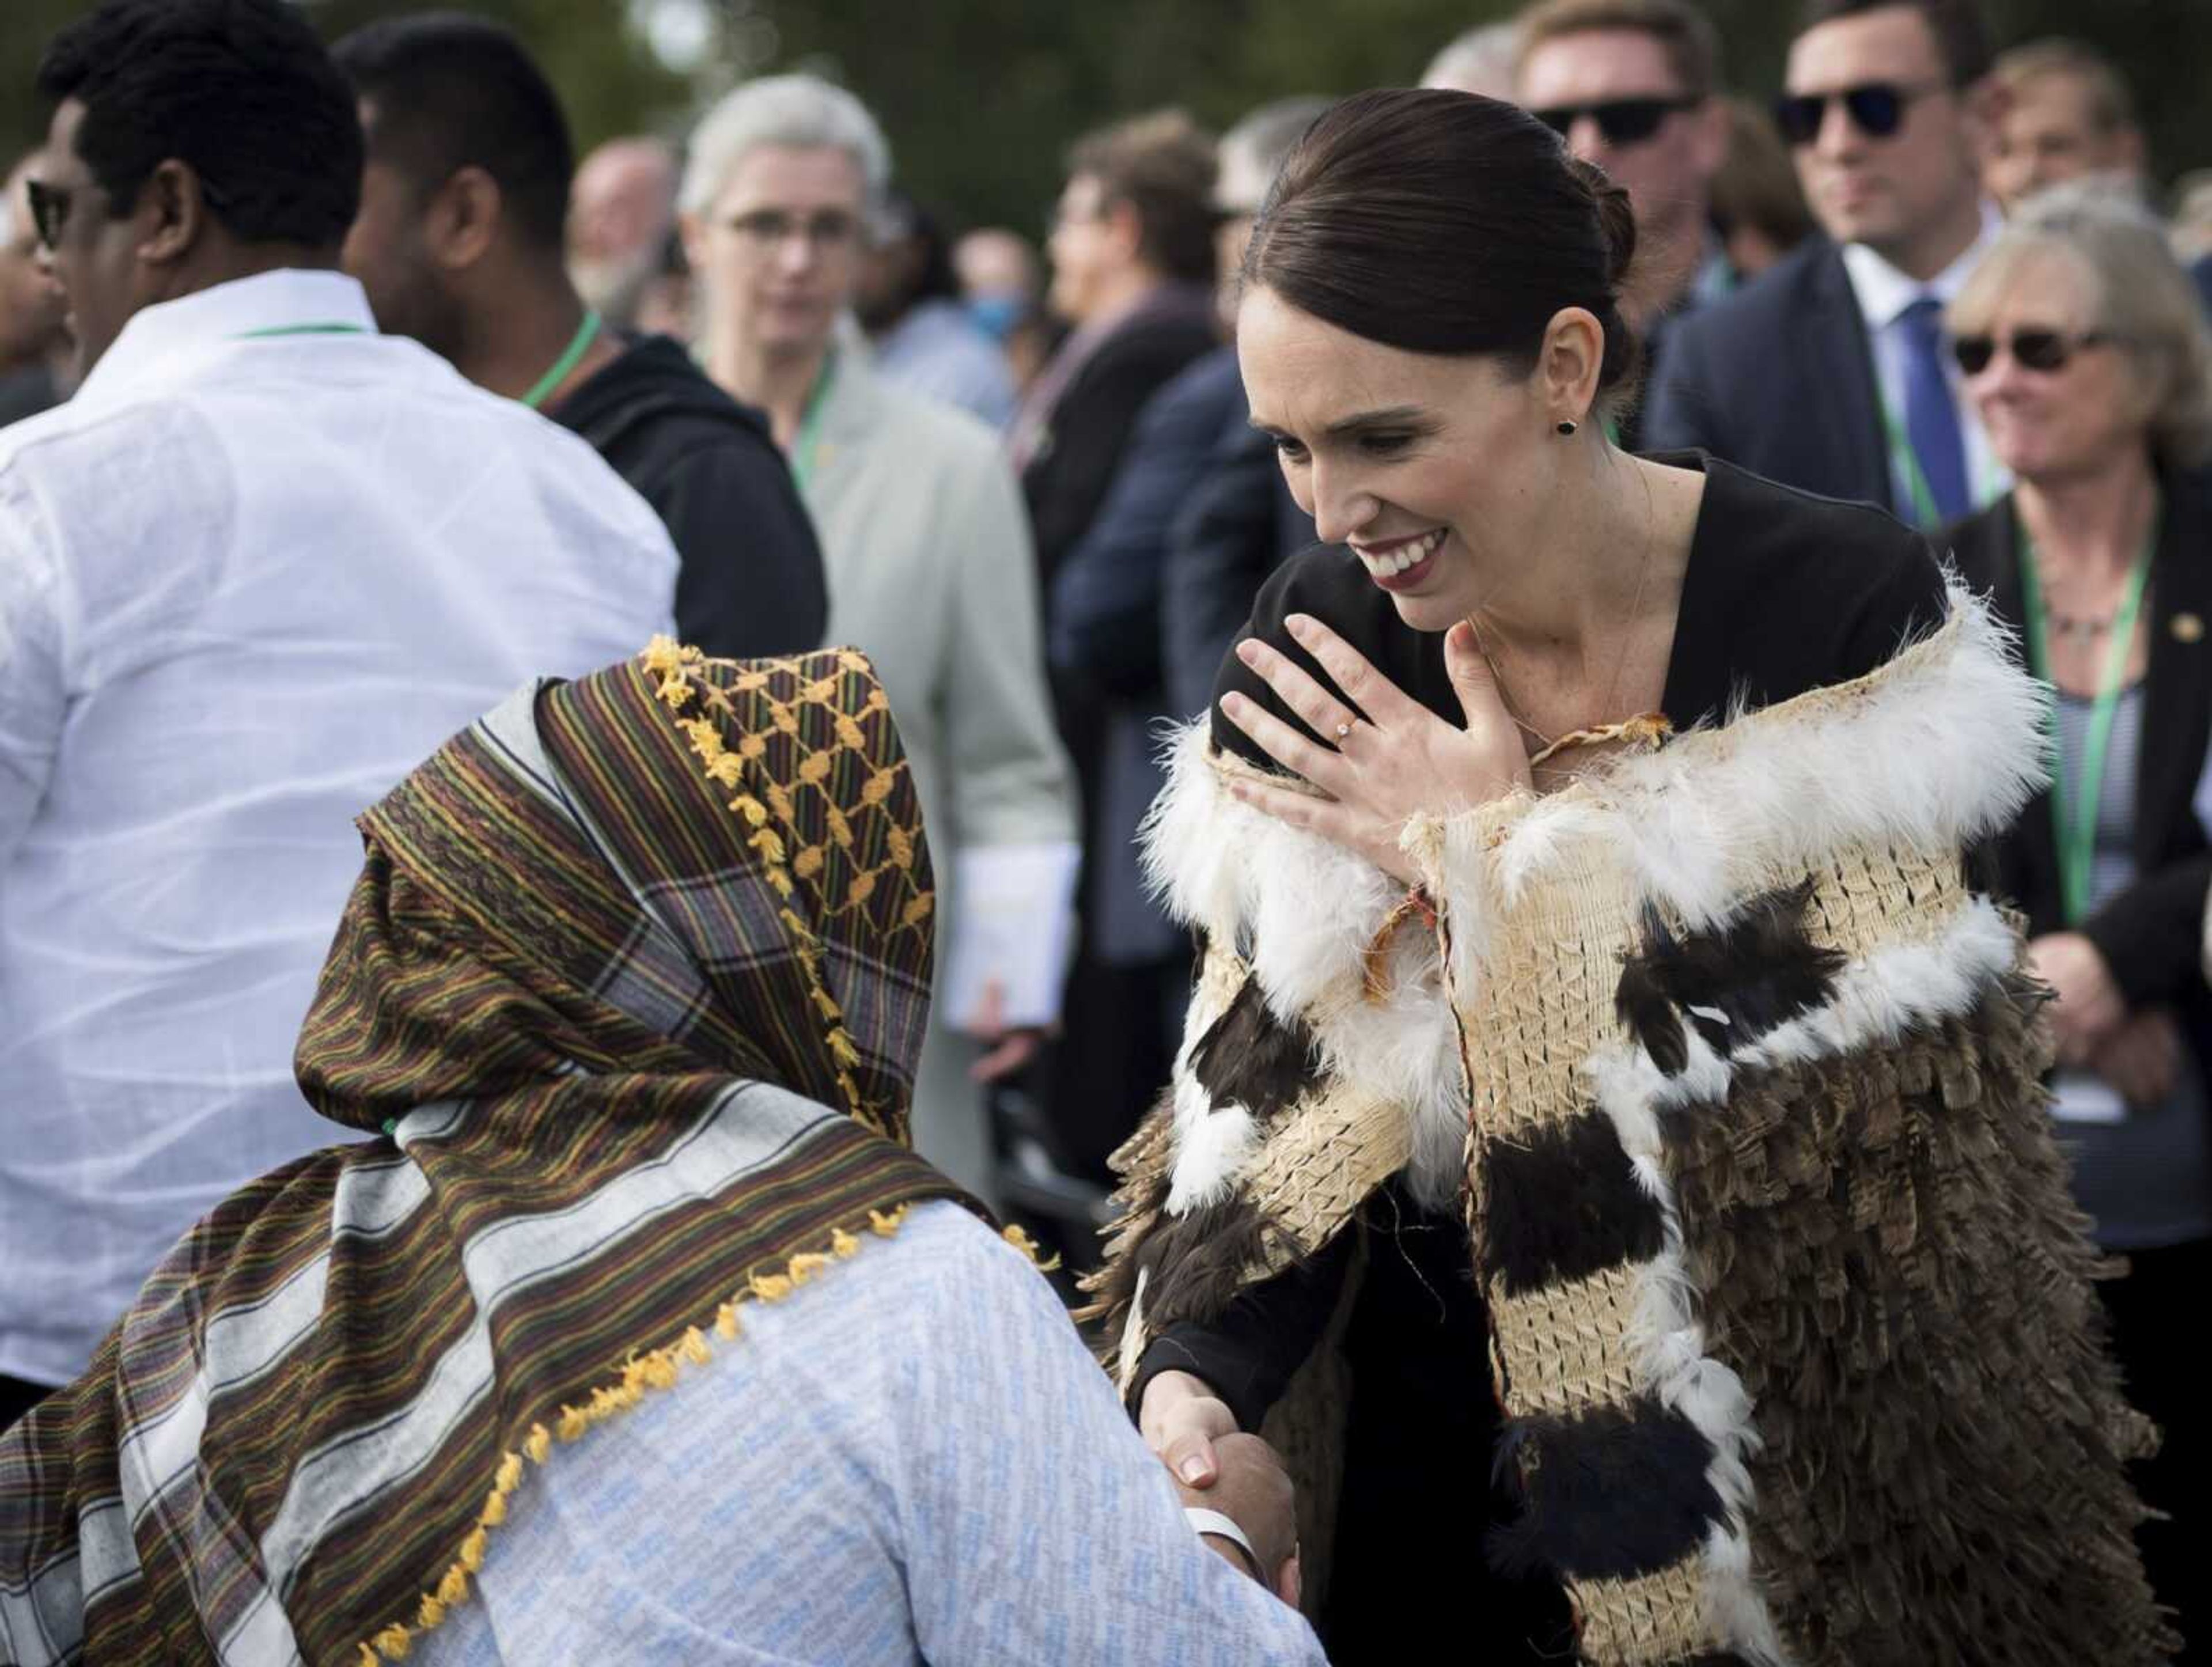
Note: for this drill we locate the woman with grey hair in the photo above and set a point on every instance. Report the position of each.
(2084, 350)
(930, 563)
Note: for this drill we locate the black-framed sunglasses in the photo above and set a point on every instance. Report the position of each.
(1876, 109)
(2044, 352)
(50, 210)
(1622, 121)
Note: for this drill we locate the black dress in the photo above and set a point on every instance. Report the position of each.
(1784, 593)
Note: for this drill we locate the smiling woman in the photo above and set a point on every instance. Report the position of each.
(1604, 1107)
(2085, 347)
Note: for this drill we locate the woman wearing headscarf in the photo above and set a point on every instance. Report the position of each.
(1607, 1151)
(631, 1329)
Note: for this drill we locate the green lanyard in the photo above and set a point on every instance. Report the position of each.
(2075, 826)
(301, 330)
(1903, 461)
(570, 356)
(808, 443)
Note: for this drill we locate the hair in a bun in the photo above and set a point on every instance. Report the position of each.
(1446, 223)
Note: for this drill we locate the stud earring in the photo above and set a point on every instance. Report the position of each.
(1567, 425)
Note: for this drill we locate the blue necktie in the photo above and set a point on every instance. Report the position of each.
(1931, 420)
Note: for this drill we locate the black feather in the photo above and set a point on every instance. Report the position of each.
(1250, 1057)
(1562, 1203)
(1759, 971)
(1199, 1262)
(1641, 1003)
(1612, 1495)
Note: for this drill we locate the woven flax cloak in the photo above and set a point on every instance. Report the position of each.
(1739, 1085)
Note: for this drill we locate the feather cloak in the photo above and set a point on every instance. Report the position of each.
(1738, 1083)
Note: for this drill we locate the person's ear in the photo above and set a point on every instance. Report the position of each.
(1982, 108)
(172, 214)
(1568, 364)
(462, 221)
(1125, 227)
(693, 232)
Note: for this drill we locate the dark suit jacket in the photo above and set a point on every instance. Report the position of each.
(1105, 632)
(1777, 377)
(2149, 934)
(1239, 525)
(1066, 480)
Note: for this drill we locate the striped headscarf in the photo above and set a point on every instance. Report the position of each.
(630, 989)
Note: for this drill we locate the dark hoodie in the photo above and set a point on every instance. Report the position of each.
(750, 580)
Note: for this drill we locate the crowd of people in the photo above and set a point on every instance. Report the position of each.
(1528, 761)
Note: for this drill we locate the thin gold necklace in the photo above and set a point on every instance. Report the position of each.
(1639, 727)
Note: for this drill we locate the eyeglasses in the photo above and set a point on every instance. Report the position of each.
(2044, 352)
(50, 210)
(1622, 121)
(1876, 107)
(831, 231)
(1061, 216)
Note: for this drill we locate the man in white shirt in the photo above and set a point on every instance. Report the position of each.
(265, 561)
(1831, 372)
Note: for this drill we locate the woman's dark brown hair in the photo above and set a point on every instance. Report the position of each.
(1444, 223)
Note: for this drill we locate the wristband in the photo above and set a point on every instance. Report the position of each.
(1203, 1521)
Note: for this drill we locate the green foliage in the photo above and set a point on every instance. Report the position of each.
(609, 80)
(981, 97)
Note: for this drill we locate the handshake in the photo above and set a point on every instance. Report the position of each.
(1220, 1469)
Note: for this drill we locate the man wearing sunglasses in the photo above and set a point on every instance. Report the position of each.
(1630, 85)
(259, 563)
(1831, 372)
(33, 348)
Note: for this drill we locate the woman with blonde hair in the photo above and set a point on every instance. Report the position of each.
(2083, 344)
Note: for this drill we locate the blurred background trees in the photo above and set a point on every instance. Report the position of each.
(980, 97)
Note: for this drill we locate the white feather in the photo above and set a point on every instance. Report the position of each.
(1210, 1156)
(1667, 1340)
(1876, 998)
(1941, 745)
(1133, 1335)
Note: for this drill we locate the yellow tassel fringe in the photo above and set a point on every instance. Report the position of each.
(657, 1370)
(669, 661)
(1021, 1241)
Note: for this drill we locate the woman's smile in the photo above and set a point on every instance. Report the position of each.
(1402, 564)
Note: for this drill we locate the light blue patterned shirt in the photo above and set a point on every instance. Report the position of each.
(913, 1459)
(938, 351)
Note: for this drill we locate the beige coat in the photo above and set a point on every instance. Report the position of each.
(931, 573)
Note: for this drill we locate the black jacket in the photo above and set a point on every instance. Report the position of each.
(750, 580)
(1239, 525)
(1066, 480)
(2150, 935)
(26, 394)
(1778, 378)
